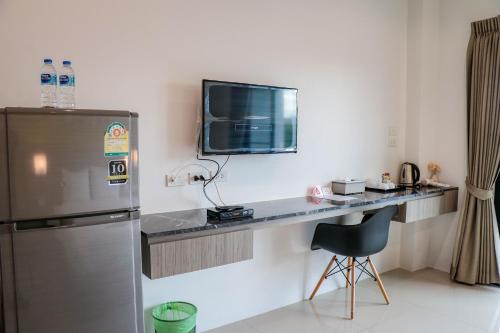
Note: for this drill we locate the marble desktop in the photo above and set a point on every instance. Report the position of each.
(195, 220)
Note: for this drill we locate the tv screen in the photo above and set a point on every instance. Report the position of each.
(240, 118)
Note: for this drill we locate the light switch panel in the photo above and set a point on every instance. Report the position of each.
(392, 137)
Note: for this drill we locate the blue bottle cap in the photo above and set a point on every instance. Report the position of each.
(47, 61)
(66, 62)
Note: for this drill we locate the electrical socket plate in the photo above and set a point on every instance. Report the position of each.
(192, 175)
(183, 179)
(179, 180)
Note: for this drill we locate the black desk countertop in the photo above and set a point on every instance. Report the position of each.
(195, 220)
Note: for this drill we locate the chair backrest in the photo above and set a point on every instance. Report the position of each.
(373, 233)
(358, 240)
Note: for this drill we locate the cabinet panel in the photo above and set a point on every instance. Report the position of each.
(188, 255)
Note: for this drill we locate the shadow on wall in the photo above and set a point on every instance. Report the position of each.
(183, 107)
(441, 247)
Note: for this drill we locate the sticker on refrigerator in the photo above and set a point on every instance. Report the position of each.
(117, 172)
(116, 140)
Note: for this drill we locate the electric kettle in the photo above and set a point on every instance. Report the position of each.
(410, 174)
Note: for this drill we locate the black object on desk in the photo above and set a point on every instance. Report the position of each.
(228, 208)
(227, 213)
(391, 190)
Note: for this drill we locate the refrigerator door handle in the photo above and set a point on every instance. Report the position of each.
(38, 225)
(72, 222)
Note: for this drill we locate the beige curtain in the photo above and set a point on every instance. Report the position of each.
(476, 257)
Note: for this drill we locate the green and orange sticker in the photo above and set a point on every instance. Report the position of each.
(116, 140)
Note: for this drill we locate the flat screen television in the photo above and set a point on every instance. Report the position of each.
(241, 118)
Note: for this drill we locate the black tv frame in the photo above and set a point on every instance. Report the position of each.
(205, 153)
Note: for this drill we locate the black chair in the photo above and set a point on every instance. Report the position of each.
(354, 241)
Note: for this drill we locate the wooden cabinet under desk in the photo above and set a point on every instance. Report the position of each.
(188, 255)
(425, 208)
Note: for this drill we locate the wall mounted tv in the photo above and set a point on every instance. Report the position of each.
(240, 118)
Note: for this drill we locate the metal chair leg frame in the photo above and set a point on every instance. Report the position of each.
(347, 282)
(362, 267)
(341, 269)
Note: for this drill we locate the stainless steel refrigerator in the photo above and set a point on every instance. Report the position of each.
(70, 256)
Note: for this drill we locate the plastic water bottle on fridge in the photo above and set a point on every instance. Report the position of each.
(48, 84)
(66, 94)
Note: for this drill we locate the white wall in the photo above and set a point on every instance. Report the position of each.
(420, 88)
(439, 31)
(347, 58)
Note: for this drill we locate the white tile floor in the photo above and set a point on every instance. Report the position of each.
(425, 302)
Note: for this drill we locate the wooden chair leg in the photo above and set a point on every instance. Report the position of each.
(353, 287)
(379, 281)
(323, 277)
(348, 272)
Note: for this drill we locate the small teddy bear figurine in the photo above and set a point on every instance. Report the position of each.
(434, 169)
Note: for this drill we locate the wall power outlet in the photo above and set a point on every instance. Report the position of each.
(178, 180)
(198, 177)
(194, 178)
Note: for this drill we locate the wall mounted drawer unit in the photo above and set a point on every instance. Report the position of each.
(169, 258)
(425, 208)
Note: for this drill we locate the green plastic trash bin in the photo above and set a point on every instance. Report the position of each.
(175, 317)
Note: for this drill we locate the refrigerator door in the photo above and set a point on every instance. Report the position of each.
(79, 275)
(66, 163)
(8, 315)
(4, 190)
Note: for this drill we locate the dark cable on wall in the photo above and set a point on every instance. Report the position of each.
(205, 183)
(205, 159)
(219, 170)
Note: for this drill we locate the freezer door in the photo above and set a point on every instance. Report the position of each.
(79, 277)
(4, 190)
(65, 163)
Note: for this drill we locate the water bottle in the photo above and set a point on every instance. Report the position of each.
(66, 96)
(48, 84)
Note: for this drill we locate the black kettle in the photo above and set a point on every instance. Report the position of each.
(410, 174)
